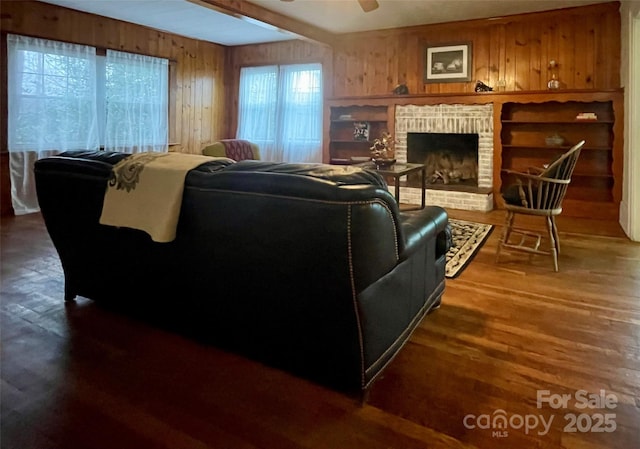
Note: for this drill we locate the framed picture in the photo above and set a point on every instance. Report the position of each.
(447, 63)
(361, 131)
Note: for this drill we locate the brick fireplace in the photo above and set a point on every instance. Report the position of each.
(450, 119)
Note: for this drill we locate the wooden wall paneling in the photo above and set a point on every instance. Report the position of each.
(391, 69)
(400, 64)
(545, 72)
(200, 78)
(585, 62)
(482, 54)
(516, 49)
(608, 50)
(537, 66)
(521, 54)
(173, 83)
(566, 49)
(210, 98)
(230, 98)
(553, 37)
(339, 75)
(180, 132)
(411, 50)
(497, 55)
(187, 100)
(377, 68)
(354, 78)
(369, 63)
(509, 62)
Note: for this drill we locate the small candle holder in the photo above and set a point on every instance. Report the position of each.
(554, 82)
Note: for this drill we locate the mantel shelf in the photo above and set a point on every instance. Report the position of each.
(525, 96)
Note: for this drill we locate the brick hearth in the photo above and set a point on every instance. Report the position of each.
(450, 118)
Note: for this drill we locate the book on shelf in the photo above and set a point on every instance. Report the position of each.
(361, 131)
(587, 116)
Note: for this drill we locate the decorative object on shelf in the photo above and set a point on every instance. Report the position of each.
(447, 63)
(482, 87)
(382, 151)
(383, 147)
(361, 131)
(401, 89)
(553, 83)
(587, 116)
(555, 140)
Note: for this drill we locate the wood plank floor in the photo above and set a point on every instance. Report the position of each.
(85, 377)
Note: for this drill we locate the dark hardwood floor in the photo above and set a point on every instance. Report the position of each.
(82, 376)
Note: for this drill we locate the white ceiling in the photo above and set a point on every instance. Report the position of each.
(193, 19)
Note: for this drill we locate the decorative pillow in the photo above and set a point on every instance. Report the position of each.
(511, 195)
(235, 149)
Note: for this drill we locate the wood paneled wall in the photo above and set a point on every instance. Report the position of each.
(585, 41)
(198, 114)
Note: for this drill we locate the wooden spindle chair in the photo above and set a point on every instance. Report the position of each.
(541, 194)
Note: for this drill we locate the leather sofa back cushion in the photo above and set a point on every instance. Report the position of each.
(314, 181)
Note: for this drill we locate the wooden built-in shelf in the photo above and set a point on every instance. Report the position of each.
(522, 120)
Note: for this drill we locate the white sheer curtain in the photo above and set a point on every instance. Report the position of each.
(51, 90)
(301, 112)
(136, 101)
(257, 105)
(280, 109)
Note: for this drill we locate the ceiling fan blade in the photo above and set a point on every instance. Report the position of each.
(368, 5)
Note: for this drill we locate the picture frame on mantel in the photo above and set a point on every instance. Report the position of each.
(450, 63)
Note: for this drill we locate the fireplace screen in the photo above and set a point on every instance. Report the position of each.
(450, 159)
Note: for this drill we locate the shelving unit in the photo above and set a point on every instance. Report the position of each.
(525, 127)
(521, 121)
(343, 145)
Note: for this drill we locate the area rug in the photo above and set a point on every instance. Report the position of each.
(468, 237)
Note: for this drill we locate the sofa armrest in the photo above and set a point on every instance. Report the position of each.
(418, 227)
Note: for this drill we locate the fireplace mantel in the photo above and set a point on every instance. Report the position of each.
(521, 96)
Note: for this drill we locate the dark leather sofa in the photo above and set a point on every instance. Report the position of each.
(308, 268)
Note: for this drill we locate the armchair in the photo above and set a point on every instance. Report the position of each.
(236, 149)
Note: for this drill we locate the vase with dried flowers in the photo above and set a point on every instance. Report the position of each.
(382, 151)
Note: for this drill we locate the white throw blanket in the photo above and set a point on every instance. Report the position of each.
(145, 192)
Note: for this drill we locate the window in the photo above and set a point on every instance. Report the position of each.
(63, 97)
(135, 102)
(51, 95)
(280, 109)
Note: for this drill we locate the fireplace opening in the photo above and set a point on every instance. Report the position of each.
(451, 160)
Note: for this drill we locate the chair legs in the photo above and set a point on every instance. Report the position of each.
(552, 242)
(506, 233)
(525, 244)
(555, 233)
